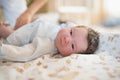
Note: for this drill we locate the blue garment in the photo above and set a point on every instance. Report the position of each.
(12, 9)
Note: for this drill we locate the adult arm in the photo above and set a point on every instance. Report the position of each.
(26, 17)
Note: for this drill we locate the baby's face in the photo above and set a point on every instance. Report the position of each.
(71, 40)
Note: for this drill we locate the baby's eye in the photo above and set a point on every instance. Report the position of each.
(71, 32)
(72, 46)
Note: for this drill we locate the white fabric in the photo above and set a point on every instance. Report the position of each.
(13, 9)
(38, 47)
(31, 41)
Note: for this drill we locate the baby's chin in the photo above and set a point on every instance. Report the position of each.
(65, 54)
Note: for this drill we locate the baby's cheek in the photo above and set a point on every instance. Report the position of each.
(66, 52)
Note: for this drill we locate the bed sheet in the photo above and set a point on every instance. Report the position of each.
(74, 67)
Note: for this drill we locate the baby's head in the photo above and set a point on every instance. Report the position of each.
(77, 39)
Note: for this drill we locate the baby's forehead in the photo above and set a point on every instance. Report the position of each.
(78, 27)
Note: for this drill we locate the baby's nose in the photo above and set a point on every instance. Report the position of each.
(67, 40)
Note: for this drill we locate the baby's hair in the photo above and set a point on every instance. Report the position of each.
(93, 40)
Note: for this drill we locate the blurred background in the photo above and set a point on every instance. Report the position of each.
(83, 12)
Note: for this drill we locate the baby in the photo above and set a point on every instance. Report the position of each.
(39, 38)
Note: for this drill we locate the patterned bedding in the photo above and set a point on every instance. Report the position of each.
(74, 67)
(100, 66)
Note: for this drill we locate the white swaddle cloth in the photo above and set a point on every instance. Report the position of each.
(30, 41)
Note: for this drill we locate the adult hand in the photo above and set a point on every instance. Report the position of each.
(23, 19)
(26, 17)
